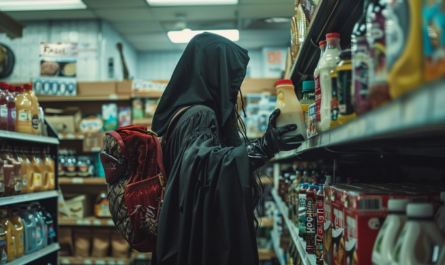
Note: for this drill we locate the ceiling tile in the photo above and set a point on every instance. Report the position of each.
(136, 27)
(195, 13)
(51, 15)
(125, 14)
(104, 4)
(267, 10)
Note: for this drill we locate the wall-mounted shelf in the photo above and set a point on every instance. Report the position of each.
(28, 197)
(112, 97)
(25, 259)
(89, 221)
(82, 181)
(71, 136)
(7, 135)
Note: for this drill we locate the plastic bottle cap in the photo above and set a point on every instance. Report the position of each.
(11, 88)
(398, 205)
(19, 89)
(308, 85)
(346, 55)
(442, 196)
(4, 85)
(419, 210)
(333, 35)
(328, 179)
(284, 82)
(322, 43)
(27, 86)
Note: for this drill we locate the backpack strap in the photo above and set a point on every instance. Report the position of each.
(120, 142)
(172, 123)
(160, 160)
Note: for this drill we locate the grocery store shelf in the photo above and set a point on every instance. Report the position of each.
(36, 255)
(142, 121)
(15, 136)
(111, 97)
(417, 116)
(88, 221)
(82, 181)
(266, 254)
(95, 261)
(276, 245)
(28, 197)
(308, 259)
(330, 16)
(266, 222)
(71, 136)
(147, 93)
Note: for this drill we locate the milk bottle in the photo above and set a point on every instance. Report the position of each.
(389, 232)
(291, 111)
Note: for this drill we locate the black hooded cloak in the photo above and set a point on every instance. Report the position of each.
(207, 216)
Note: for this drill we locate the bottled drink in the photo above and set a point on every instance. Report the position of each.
(10, 104)
(317, 81)
(23, 111)
(3, 106)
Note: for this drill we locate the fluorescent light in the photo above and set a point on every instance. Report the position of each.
(184, 36)
(191, 2)
(33, 5)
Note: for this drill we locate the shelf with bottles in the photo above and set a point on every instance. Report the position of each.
(26, 259)
(16, 136)
(94, 261)
(111, 97)
(36, 196)
(329, 16)
(82, 181)
(276, 245)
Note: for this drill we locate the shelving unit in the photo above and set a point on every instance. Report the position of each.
(25, 259)
(82, 181)
(276, 246)
(89, 221)
(37, 139)
(28, 197)
(117, 97)
(93, 261)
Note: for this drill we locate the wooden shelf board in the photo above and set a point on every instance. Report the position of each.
(112, 97)
(88, 221)
(147, 93)
(95, 261)
(266, 254)
(82, 181)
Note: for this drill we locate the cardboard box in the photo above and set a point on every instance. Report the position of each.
(124, 87)
(93, 142)
(76, 207)
(96, 88)
(64, 120)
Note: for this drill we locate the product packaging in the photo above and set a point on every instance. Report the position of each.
(109, 115)
(138, 108)
(124, 116)
(82, 242)
(150, 107)
(119, 246)
(101, 243)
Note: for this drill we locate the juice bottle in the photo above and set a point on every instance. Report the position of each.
(334, 100)
(23, 171)
(10, 104)
(344, 87)
(3, 106)
(308, 99)
(320, 220)
(421, 240)
(378, 92)
(389, 232)
(37, 211)
(360, 64)
(3, 255)
(34, 112)
(50, 167)
(39, 170)
(2, 178)
(23, 110)
(41, 240)
(24, 153)
(311, 218)
(407, 68)
(17, 231)
(302, 210)
(327, 64)
(10, 240)
(50, 224)
(30, 228)
(322, 45)
(13, 178)
(291, 111)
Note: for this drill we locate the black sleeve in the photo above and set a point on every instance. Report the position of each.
(207, 213)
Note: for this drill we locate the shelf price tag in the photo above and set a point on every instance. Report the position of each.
(77, 180)
(100, 262)
(64, 261)
(96, 222)
(87, 262)
(111, 262)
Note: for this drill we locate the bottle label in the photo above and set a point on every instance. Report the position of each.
(317, 98)
(360, 65)
(378, 49)
(344, 88)
(35, 121)
(25, 181)
(2, 187)
(37, 179)
(23, 115)
(29, 115)
(334, 100)
(3, 111)
(18, 186)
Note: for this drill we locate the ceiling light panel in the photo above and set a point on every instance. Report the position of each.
(34, 5)
(191, 2)
(184, 36)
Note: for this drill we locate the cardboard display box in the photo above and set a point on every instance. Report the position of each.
(96, 88)
(64, 120)
(93, 142)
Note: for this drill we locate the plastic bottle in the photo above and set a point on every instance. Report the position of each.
(10, 240)
(440, 215)
(34, 114)
(10, 104)
(3, 106)
(405, 47)
(421, 240)
(18, 232)
(311, 218)
(50, 224)
(23, 171)
(302, 210)
(291, 111)
(39, 170)
(23, 111)
(378, 92)
(50, 167)
(30, 228)
(327, 64)
(322, 45)
(360, 64)
(13, 175)
(29, 170)
(41, 229)
(344, 87)
(308, 99)
(320, 223)
(334, 99)
(3, 255)
(389, 232)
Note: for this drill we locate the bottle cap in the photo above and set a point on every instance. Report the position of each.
(283, 82)
(27, 86)
(328, 179)
(332, 36)
(11, 88)
(419, 210)
(322, 43)
(308, 85)
(19, 89)
(346, 55)
(4, 85)
(398, 205)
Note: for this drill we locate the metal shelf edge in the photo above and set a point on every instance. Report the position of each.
(28, 137)
(36, 255)
(28, 197)
(276, 246)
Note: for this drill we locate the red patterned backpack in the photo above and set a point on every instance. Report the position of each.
(132, 160)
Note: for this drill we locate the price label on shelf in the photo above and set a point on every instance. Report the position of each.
(100, 262)
(77, 180)
(64, 261)
(96, 222)
(87, 262)
(120, 262)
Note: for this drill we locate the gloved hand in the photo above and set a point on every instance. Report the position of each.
(260, 151)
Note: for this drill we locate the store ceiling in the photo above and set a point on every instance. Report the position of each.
(146, 27)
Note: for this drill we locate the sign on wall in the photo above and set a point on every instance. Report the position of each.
(274, 60)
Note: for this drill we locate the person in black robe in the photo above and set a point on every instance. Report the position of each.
(207, 216)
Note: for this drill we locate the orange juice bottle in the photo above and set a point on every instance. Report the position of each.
(50, 166)
(34, 112)
(8, 226)
(24, 153)
(39, 170)
(13, 180)
(23, 172)
(17, 231)
(23, 110)
(46, 171)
